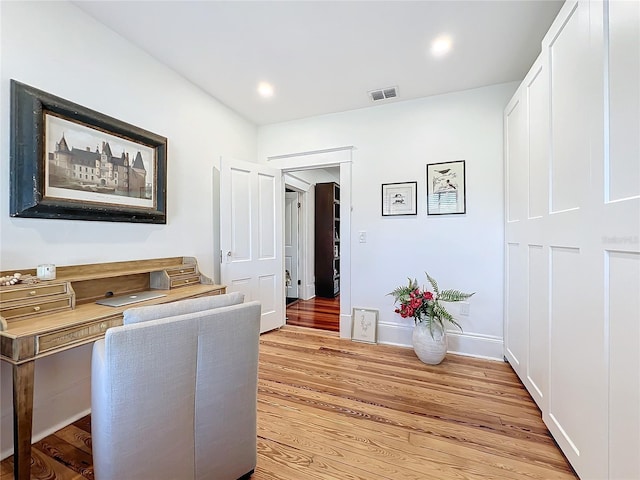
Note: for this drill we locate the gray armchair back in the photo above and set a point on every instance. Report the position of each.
(176, 397)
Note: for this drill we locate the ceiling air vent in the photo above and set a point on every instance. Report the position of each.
(383, 93)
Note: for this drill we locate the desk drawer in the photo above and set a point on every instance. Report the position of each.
(33, 291)
(70, 336)
(37, 308)
(211, 294)
(173, 277)
(184, 280)
(183, 270)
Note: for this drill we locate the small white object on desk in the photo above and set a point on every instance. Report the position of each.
(47, 271)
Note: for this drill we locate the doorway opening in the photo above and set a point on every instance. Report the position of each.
(340, 157)
(292, 248)
(312, 245)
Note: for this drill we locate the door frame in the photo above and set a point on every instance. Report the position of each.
(302, 187)
(333, 157)
(298, 266)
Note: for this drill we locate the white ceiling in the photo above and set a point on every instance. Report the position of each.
(325, 56)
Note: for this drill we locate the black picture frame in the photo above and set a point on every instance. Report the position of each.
(33, 174)
(399, 198)
(446, 188)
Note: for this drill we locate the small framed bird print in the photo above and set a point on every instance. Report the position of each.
(446, 188)
(399, 198)
(365, 325)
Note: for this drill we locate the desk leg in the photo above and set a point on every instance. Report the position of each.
(22, 419)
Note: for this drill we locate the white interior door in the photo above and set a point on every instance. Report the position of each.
(291, 236)
(251, 236)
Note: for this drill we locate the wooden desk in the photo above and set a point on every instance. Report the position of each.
(53, 316)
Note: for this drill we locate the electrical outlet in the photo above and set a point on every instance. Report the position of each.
(362, 236)
(464, 308)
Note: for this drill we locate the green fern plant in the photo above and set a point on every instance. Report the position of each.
(424, 306)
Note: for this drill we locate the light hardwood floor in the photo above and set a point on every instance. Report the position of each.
(335, 409)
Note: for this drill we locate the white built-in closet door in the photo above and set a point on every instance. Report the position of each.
(526, 167)
(593, 235)
(536, 92)
(572, 174)
(516, 316)
(577, 408)
(621, 237)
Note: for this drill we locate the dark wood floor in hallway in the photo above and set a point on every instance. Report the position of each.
(322, 313)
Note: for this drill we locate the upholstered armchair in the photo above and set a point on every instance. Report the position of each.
(174, 392)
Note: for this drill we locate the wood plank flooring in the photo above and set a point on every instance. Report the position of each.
(322, 313)
(335, 409)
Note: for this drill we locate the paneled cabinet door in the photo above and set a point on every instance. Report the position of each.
(536, 92)
(526, 277)
(577, 409)
(621, 193)
(516, 309)
(572, 174)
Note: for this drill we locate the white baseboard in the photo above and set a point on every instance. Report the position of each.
(309, 291)
(476, 345)
(37, 436)
(394, 334)
(461, 343)
(345, 325)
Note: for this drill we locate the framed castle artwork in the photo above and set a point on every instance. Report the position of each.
(70, 162)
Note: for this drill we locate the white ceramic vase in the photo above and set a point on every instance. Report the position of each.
(429, 349)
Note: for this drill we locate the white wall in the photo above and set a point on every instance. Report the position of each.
(55, 47)
(393, 143)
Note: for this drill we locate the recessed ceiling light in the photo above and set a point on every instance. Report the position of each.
(265, 89)
(441, 46)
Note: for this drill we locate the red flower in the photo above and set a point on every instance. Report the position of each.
(423, 305)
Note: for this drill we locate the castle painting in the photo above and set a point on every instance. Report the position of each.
(89, 165)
